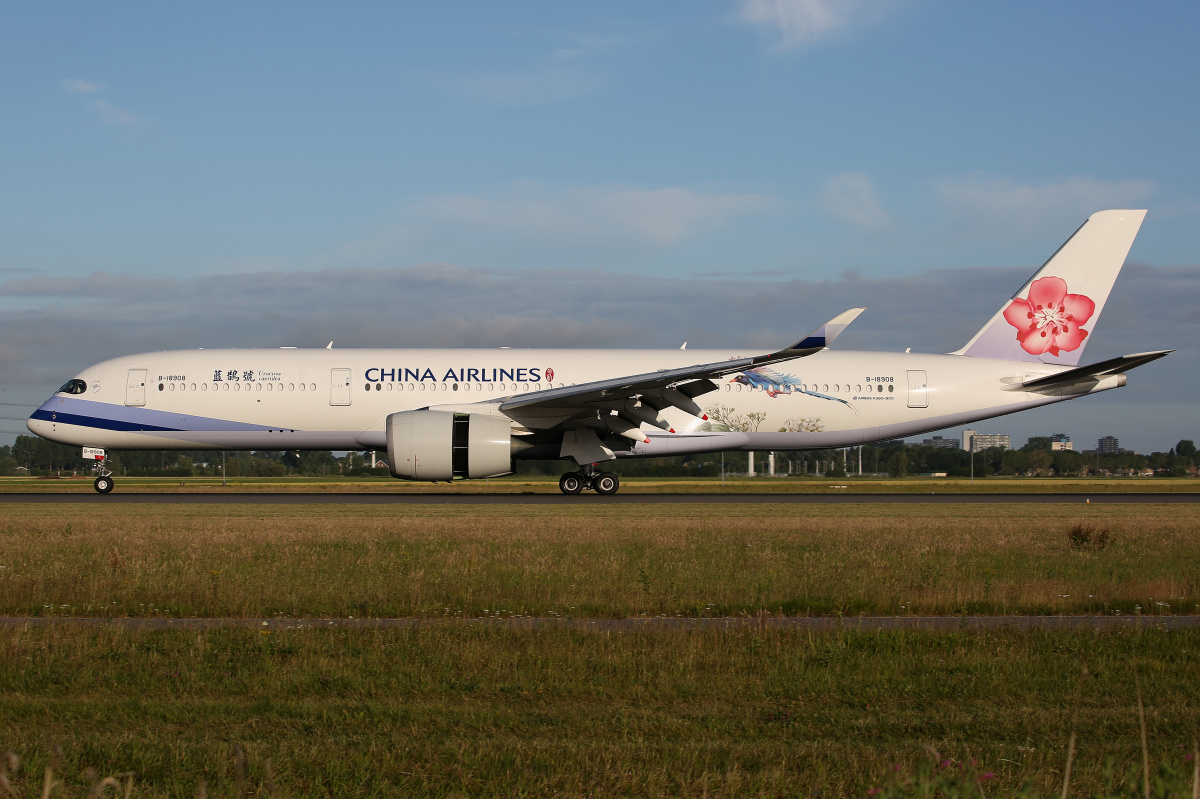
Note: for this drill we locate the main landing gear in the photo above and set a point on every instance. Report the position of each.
(603, 483)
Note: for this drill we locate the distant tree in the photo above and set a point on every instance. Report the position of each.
(8, 466)
(1186, 448)
(1037, 444)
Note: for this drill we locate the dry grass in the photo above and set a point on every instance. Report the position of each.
(612, 561)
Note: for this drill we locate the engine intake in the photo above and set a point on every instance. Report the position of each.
(442, 445)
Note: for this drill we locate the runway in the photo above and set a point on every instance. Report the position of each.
(835, 497)
(647, 624)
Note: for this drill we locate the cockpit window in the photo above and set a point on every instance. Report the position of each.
(75, 386)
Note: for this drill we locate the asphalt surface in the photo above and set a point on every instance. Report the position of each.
(836, 497)
(655, 624)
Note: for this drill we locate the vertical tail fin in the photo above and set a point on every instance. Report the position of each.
(1050, 318)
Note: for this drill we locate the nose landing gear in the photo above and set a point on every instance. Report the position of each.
(104, 481)
(603, 483)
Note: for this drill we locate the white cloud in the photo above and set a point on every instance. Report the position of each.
(1007, 206)
(648, 216)
(108, 113)
(112, 115)
(76, 86)
(797, 23)
(851, 198)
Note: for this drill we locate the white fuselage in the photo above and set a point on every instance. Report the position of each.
(288, 399)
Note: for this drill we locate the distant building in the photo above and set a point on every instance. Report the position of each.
(938, 441)
(977, 442)
(1108, 445)
(1061, 441)
(982, 441)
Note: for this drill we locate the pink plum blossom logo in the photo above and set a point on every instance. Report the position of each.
(549, 375)
(1051, 319)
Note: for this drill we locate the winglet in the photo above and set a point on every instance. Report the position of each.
(824, 335)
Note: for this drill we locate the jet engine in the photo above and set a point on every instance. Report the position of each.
(442, 445)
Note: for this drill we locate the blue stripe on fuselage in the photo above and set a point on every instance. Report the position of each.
(107, 416)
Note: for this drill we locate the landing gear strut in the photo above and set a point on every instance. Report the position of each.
(104, 482)
(603, 483)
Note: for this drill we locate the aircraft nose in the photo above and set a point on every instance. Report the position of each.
(36, 422)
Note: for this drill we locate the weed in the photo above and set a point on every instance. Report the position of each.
(1082, 535)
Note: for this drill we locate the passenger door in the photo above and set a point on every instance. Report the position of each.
(135, 387)
(918, 390)
(339, 387)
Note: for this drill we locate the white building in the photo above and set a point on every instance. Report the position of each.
(977, 442)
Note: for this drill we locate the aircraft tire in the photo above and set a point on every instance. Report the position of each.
(103, 484)
(570, 483)
(606, 484)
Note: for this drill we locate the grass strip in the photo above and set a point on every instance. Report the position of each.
(431, 561)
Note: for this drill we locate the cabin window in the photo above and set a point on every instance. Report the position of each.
(379, 386)
(826, 389)
(891, 387)
(226, 385)
(160, 386)
(880, 387)
(479, 386)
(456, 386)
(858, 389)
(204, 386)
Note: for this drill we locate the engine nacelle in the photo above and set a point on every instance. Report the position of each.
(442, 445)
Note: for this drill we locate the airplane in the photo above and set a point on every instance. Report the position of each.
(446, 414)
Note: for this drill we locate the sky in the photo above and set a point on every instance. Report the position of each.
(731, 173)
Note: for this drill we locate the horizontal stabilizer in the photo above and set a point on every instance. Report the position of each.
(1096, 370)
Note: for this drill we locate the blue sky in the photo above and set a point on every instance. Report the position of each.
(767, 141)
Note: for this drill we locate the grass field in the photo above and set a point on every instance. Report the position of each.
(630, 485)
(484, 710)
(612, 561)
(473, 707)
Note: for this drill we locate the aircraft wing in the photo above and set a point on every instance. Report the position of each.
(638, 398)
(1096, 370)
